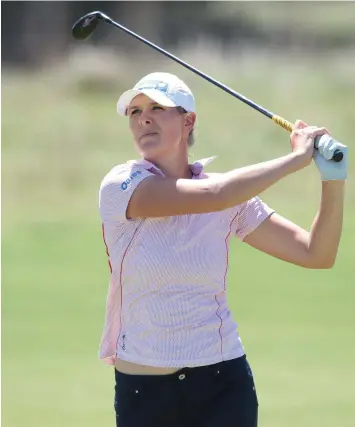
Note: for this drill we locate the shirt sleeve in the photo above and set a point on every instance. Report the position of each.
(116, 191)
(251, 214)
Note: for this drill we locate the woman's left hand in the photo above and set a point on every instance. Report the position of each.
(329, 169)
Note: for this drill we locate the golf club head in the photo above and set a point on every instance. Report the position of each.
(85, 26)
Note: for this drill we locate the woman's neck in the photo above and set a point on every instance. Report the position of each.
(174, 166)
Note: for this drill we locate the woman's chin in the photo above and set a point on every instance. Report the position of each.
(150, 148)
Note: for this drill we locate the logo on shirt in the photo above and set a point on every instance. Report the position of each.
(123, 346)
(124, 184)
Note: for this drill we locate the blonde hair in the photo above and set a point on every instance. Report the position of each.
(191, 138)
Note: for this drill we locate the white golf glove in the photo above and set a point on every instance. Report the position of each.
(330, 170)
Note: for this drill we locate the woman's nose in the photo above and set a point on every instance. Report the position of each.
(145, 119)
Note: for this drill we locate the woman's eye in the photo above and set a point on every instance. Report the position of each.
(157, 107)
(133, 112)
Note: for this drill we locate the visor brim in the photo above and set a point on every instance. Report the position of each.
(155, 95)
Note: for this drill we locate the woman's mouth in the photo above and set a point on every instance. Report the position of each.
(149, 134)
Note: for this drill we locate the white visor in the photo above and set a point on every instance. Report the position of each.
(163, 88)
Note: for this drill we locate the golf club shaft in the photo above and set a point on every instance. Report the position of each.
(337, 156)
(280, 121)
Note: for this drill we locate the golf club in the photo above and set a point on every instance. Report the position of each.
(85, 26)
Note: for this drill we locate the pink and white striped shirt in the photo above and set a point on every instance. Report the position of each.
(166, 304)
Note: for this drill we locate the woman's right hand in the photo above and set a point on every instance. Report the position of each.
(302, 140)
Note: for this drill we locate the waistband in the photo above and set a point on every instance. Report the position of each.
(187, 371)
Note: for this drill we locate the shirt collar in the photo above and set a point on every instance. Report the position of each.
(196, 167)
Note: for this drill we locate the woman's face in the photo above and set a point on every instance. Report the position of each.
(157, 129)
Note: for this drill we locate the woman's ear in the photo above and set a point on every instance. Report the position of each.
(190, 119)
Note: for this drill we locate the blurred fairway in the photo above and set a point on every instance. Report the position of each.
(60, 135)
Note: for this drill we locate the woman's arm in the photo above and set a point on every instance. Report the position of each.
(318, 248)
(160, 197)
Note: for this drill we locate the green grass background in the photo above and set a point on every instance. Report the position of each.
(60, 135)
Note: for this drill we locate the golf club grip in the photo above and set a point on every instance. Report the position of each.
(337, 156)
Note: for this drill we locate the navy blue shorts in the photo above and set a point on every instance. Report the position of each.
(220, 395)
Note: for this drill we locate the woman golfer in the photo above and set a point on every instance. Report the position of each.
(167, 225)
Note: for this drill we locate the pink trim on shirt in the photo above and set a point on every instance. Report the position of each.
(107, 252)
(121, 276)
